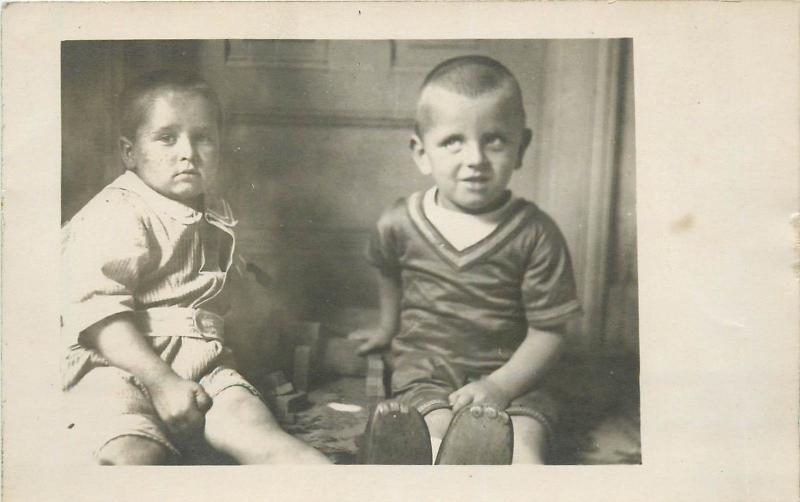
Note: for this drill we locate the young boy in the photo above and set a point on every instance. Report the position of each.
(145, 262)
(475, 283)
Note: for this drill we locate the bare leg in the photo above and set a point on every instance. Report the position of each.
(240, 425)
(133, 450)
(438, 421)
(530, 441)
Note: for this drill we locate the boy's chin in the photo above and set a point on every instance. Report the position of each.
(478, 206)
(191, 198)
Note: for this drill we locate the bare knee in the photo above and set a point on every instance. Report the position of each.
(237, 407)
(133, 450)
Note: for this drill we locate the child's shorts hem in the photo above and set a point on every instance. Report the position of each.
(425, 381)
(428, 406)
(222, 378)
(520, 411)
(108, 403)
(161, 440)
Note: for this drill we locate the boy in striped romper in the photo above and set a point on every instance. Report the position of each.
(145, 262)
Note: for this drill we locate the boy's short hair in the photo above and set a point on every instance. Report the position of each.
(469, 76)
(133, 100)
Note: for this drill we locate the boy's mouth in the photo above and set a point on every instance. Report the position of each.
(475, 179)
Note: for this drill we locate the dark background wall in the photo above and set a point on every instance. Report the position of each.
(316, 146)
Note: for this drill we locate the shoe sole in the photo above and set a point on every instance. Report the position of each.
(396, 435)
(478, 435)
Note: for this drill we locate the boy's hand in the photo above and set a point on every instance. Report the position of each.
(480, 392)
(373, 339)
(181, 404)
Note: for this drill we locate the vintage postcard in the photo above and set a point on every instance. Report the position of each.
(384, 235)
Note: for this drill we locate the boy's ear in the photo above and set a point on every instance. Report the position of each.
(418, 154)
(126, 152)
(524, 144)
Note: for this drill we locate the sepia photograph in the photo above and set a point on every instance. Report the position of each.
(376, 252)
(304, 250)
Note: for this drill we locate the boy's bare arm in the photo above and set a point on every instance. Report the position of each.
(528, 364)
(389, 292)
(180, 403)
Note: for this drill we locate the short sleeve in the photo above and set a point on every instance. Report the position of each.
(382, 248)
(104, 254)
(548, 288)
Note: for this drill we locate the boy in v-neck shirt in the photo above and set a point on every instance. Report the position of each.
(475, 284)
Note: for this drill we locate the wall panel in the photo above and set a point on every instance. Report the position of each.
(316, 146)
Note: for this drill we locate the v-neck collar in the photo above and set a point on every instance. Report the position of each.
(513, 219)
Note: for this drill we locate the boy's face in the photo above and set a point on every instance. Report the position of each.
(176, 149)
(470, 146)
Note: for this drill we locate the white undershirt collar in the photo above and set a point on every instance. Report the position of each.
(461, 230)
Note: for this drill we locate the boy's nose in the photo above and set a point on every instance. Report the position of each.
(185, 148)
(474, 154)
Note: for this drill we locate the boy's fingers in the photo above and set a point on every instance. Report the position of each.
(363, 349)
(357, 335)
(459, 400)
(460, 403)
(366, 347)
(452, 397)
(203, 400)
(455, 396)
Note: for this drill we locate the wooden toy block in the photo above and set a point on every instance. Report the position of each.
(291, 403)
(300, 333)
(376, 389)
(339, 357)
(288, 418)
(275, 379)
(282, 415)
(375, 361)
(375, 372)
(374, 382)
(302, 364)
(284, 389)
(375, 365)
(285, 417)
(276, 383)
(280, 406)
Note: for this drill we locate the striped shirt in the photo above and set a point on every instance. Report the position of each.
(131, 249)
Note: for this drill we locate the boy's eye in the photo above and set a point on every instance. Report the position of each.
(453, 144)
(495, 142)
(166, 138)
